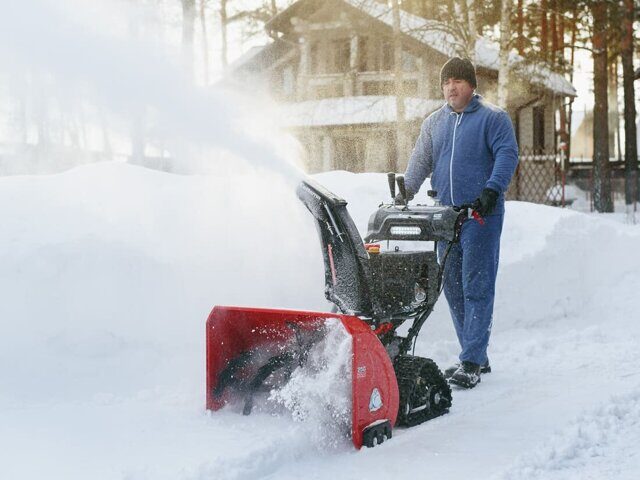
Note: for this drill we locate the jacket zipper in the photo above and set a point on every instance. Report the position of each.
(453, 147)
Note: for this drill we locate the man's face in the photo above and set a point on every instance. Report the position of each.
(457, 93)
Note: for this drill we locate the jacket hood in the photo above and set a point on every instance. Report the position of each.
(474, 104)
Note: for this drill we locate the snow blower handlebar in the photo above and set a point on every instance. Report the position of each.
(469, 209)
(391, 177)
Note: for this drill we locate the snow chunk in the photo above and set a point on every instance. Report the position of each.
(319, 392)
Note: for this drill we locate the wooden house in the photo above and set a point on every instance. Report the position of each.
(331, 67)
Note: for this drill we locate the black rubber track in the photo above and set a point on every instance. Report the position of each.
(421, 383)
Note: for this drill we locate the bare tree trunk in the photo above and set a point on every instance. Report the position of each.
(473, 30)
(601, 171)
(631, 186)
(554, 32)
(574, 29)
(399, 86)
(544, 33)
(560, 44)
(505, 33)
(205, 42)
(614, 109)
(558, 59)
(188, 23)
(223, 33)
(274, 8)
(520, 28)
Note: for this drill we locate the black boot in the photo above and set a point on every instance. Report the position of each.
(466, 376)
(448, 373)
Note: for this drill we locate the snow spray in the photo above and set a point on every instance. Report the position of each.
(318, 394)
(128, 77)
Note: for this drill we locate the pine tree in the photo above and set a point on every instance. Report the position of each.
(601, 169)
(505, 33)
(631, 187)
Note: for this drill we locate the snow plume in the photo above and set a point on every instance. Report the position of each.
(62, 45)
(319, 392)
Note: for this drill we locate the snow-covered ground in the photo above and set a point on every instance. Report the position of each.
(108, 272)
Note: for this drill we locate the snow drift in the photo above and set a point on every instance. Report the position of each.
(109, 271)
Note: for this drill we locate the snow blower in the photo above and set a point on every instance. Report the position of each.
(375, 290)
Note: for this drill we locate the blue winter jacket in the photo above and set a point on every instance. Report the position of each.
(464, 153)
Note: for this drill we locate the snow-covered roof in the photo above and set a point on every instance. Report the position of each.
(259, 55)
(353, 110)
(248, 56)
(434, 35)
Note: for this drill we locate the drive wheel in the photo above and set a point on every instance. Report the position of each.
(424, 392)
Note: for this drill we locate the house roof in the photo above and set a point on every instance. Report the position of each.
(353, 110)
(260, 56)
(248, 56)
(434, 35)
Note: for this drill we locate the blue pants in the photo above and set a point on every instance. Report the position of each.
(469, 284)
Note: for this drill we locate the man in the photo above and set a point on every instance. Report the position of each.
(468, 147)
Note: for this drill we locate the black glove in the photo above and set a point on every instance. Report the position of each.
(486, 203)
(400, 200)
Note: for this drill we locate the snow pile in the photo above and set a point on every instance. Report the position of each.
(109, 271)
(599, 444)
(319, 392)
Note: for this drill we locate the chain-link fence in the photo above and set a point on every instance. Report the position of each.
(580, 174)
(538, 178)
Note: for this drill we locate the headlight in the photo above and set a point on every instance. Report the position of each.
(405, 230)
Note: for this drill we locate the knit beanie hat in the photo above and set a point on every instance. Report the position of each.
(460, 68)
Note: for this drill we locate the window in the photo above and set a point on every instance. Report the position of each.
(330, 56)
(350, 153)
(409, 62)
(314, 58)
(376, 54)
(386, 55)
(538, 129)
(410, 87)
(378, 88)
(339, 56)
(332, 90)
(363, 54)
